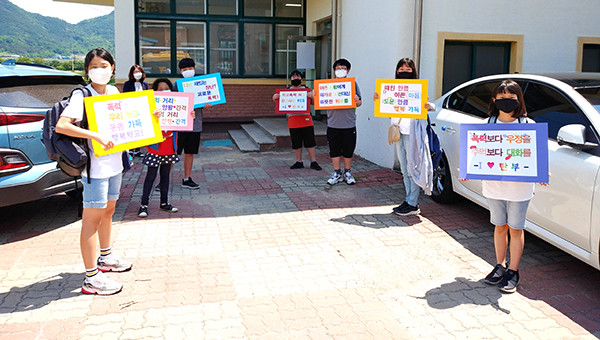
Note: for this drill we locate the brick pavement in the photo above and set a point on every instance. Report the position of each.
(264, 252)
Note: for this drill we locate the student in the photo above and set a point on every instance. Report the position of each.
(160, 156)
(136, 82)
(188, 142)
(341, 131)
(507, 201)
(406, 69)
(301, 128)
(101, 194)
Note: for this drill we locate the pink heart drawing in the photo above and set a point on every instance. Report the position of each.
(491, 164)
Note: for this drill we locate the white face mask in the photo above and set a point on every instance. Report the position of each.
(100, 75)
(188, 73)
(341, 73)
(137, 75)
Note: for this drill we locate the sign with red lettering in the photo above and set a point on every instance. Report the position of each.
(176, 110)
(335, 93)
(401, 98)
(293, 101)
(206, 89)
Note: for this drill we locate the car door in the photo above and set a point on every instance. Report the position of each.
(564, 206)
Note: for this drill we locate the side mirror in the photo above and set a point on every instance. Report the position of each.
(573, 135)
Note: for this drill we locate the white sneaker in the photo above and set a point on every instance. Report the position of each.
(100, 284)
(335, 178)
(349, 178)
(113, 263)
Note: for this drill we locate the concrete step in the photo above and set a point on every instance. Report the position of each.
(277, 127)
(243, 141)
(264, 140)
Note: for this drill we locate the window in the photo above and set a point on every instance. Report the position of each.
(258, 8)
(223, 48)
(456, 100)
(289, 8)
(282, 32)
(190, 6)
(190, 44)
(591, 58)
(155, 46)
(479, 99)
(154, 6)
(224, 7)
(257, 49)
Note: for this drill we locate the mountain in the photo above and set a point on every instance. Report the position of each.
(34, 35)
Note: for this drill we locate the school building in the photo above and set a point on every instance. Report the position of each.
(252, 43)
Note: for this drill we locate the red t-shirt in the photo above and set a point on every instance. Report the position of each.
(300, 121)
(165, 147)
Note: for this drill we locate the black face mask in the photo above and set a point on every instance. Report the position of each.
(404, 75)
(296, 82)
(507, 104)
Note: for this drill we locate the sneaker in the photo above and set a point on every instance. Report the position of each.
(168, 207)
(348, 178)
(315, 166)
(143, 211)
(100, 284)
(509, 282)
(496, 275)
(297, 165)
(188, 183)
(407, 210)
(336, 177)
(157, 187)
(113, 263)
(400, 207)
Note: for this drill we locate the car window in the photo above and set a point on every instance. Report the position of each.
(479, 99)
(547, 105)
(592, 94)
(456, 100)
(34, 96)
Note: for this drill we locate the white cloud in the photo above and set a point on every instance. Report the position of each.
(69, 12)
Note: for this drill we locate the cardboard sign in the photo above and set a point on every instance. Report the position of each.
(127, 118)
(206, 89)
(504, 152)
(401, 98)
(293, 101)
(335, 94)
(176, 110)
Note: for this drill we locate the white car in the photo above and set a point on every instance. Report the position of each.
(565, 213)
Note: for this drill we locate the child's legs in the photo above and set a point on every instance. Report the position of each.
(500, 243)
(308, 139)
(296, 137)
(298, 153)
(508, 216)
(188, 163)
(90, 222)
(105, 226)
(165, 171)
(412, 189)
(334, 139)
(348, 146)
(517, 243)
(311, 154)
(148, 183)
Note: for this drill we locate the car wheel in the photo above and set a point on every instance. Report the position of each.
(442, 183)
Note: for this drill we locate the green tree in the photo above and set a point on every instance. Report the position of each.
(24, 60)
(39, 60)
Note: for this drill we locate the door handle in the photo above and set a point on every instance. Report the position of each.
(448, 129)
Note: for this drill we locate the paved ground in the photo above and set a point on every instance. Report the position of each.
(265, 252)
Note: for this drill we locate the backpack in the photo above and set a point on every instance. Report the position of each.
(71, 153)
(434, 145)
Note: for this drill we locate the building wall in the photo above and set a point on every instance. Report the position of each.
(316, 10)
(124, 38)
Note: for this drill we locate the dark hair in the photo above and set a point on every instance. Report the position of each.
(186, 62)
(297, 73)
(508, 86)
(162, 80)
(100, 53)
(341, 62)
(410, 63)
(136, 68)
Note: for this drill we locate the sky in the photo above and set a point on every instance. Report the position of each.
(69, 12)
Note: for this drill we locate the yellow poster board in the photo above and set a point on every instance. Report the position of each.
(126, 118)
(401, 98)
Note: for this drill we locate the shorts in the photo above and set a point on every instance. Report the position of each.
(508, 212)
(304, 135)
(188, 143)
(342, 142)
(99, 191)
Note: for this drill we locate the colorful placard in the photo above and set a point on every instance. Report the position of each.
(206, 89)
(176, 110)
(293, 101)
(504, 152)
(401, 98)
(335, 93)
(127, 118)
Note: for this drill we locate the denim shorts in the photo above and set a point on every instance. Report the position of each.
(508, 212)
(101, 190)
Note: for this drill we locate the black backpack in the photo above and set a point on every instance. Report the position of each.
(71, 154)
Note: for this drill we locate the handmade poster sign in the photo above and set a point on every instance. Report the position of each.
(401, 98)
(335, 94)
(127, 118)
(176, 110)
(504, 152)
(206, 89)
(293, 101)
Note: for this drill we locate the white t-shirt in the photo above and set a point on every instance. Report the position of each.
(138, 86)
(103, 166)
(508, 191)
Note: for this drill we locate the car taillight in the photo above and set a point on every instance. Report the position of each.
(13, 161)
(19, 118)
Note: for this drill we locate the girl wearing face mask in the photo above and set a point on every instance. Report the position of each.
(101, 193)
(136, 82)
(406, 69)
(301, 128)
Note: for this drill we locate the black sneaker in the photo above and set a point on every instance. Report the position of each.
(400, 207)
(168, 207)
(407, 210)
(496, 275)
(315, 166)
(188, 183)
(297, 165)
(509, 282)
(143, 211)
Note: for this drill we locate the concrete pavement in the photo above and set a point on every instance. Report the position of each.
(264, 252)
